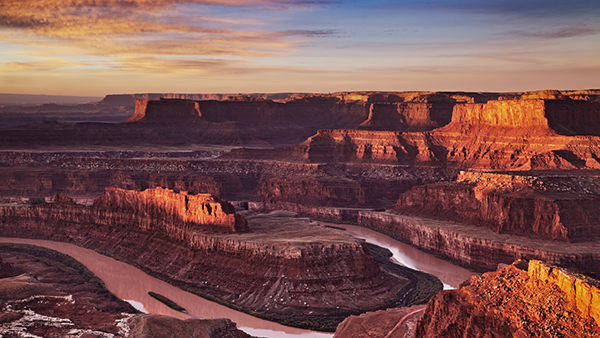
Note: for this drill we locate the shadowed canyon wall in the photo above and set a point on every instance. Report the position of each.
(507, 204)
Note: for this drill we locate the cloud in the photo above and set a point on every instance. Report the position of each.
(37, 66)
(554, 33)
(310, 33)
(112, 27)
(213, 66)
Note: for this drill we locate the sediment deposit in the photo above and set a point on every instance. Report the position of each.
(543, 301)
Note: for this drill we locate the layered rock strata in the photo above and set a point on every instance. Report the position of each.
(506, 203)
(286, 270)
(544, 301)
(513, 134)
(55, 296)
(157, 326)
(480, 247)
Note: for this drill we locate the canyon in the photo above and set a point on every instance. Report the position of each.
(49, 294)
(280, 268)
(480, 179)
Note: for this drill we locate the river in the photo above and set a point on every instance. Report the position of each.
(132, 284)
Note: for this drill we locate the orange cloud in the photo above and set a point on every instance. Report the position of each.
(113, 27)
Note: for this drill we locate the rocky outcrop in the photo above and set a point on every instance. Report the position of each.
(56, 296)
(510, 134)
(391, 323)
(175, 215)
(157, 326)
(545, 301)
(164, 206)
(408, 116)
(481, 247)
(507, 204)
(165, 111)
(286, 269)
(367, 146)
(542, 116)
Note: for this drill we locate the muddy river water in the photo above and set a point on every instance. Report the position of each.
(132, 284)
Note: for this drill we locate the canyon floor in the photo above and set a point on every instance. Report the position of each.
(479, 179)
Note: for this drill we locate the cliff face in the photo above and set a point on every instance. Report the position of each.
(507, 204)
(562, 116)
(370, 147)
(512, 134)
(173, 214)
(285, 269)
(481, 247)
(544, 301)
(165, 111)
(408, 116)
(166, 206)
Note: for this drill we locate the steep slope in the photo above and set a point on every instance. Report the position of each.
(286, 269)
(545, 301)
(524, 205)
(528, 133)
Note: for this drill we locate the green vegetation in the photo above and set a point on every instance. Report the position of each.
(166, 301)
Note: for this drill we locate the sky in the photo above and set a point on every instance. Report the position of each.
(99, 47)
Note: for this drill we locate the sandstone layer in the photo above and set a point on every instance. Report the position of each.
(543, 301)
(530, 133)
(508, 203)
(480, 247)
(174, 120)
(285, 270)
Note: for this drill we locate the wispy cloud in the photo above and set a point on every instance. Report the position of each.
(36, 66)
(554, 33)
(112, 27)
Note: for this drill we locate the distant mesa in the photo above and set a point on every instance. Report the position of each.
(165, 110)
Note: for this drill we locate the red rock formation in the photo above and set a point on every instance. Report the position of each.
(156, 206)
(507, 204)
(545, 301)
(165, 111)
(285, 269)
(408, 116)
(391, 323)
(516, 134)
(478, 246)
(157, 326)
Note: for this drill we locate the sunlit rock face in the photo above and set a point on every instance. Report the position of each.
(543, 301)
(284, 268)
(164, 206)
(510, 134)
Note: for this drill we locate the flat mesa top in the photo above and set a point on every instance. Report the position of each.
(272, 229)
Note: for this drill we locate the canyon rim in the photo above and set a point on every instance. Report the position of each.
(227, 196)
